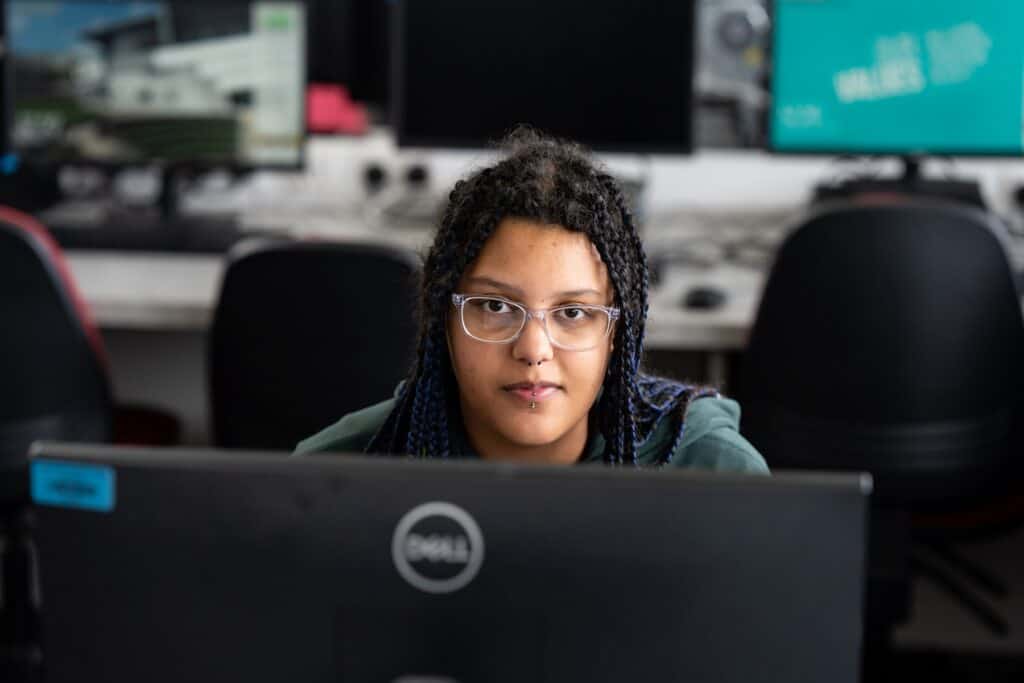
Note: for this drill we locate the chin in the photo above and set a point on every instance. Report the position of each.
(540, 433)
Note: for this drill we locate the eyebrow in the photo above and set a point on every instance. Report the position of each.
(515, 291)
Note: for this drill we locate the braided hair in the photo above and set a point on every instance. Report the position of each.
(555, 182)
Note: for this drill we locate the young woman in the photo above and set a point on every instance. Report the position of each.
(533, 303)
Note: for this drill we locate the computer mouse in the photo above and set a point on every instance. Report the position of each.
(704, 297)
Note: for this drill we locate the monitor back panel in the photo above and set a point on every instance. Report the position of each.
(264, 568)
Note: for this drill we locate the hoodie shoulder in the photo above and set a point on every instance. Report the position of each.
(350, 434)
(712, 440)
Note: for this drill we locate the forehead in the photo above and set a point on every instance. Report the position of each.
(541, 260)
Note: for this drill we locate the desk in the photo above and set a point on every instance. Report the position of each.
(177, 293)
(740, 192)
(155, 309)
(151, 292)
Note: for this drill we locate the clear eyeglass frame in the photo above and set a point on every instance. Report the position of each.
(540, 314)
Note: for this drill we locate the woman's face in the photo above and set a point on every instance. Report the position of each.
(539, 266)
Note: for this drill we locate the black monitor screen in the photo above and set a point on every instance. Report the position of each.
(117, 82)
(348, 44)
(615, 75)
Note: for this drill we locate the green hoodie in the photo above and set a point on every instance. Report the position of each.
(711, 440)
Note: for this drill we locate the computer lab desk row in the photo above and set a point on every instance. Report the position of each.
(178, 293)
(154, 310)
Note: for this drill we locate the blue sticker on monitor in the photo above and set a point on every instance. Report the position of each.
(73, 485)
(9, 163)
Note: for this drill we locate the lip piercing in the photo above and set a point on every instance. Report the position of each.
(533, 404)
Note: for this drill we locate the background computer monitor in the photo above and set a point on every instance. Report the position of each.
(909, 78)
(349, 45)
(615, 75)
(156, 82)
(192, 565)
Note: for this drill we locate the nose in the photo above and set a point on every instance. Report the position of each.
(533, 346)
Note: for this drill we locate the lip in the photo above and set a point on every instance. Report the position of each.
(532, 392)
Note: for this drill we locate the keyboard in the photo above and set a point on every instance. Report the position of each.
(709, 238)
(197, 236)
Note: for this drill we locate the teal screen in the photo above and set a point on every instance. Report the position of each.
(898, 76)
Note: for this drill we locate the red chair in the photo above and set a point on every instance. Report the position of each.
(54, 372)
(52, 361)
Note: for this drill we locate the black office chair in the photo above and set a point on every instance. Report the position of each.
(305, 332)
(52, 361)
(53, 385)
(890, 339)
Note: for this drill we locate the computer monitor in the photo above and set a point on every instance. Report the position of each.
(914, 77)
(371, 46)
(616, 75)
(114, 82)
(164, 565)
(348, 44)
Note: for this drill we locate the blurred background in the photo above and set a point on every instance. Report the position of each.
(155, 142)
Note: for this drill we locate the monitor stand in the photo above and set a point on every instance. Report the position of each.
(192, 233)
(910, 185)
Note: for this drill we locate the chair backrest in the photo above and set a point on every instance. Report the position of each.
(889, 338)
(305, 332)
(53, 374)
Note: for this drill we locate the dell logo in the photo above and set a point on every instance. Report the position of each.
(437, 547)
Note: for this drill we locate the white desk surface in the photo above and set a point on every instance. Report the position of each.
(139, 291)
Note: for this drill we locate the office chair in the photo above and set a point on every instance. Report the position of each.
(305, 332)
(889, 339)
(53, 385)
(54, 368)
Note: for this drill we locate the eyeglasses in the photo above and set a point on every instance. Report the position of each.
(496, 320)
